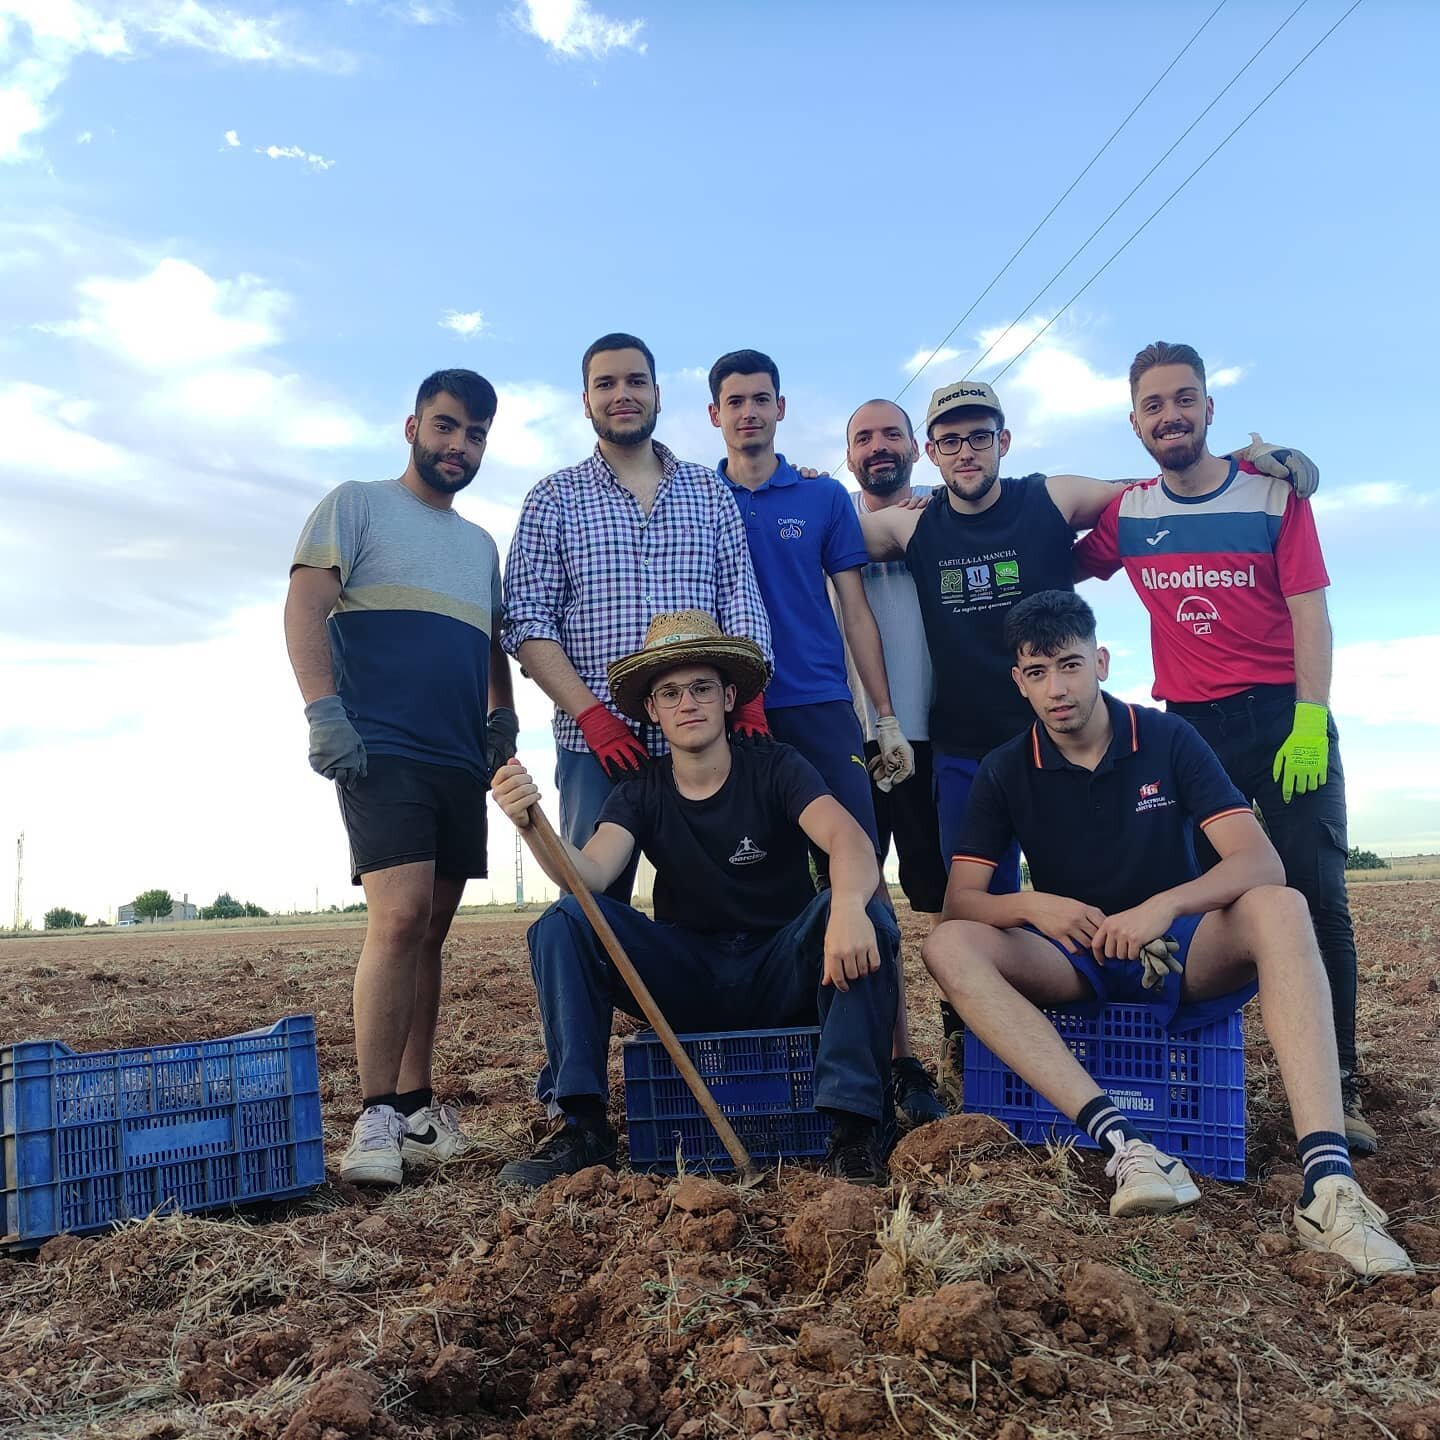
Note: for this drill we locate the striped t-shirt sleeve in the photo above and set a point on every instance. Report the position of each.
(987, 830)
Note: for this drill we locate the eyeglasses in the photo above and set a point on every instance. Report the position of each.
(978, 440)
(702, 692)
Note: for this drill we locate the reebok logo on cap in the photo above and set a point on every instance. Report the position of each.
(959, 394)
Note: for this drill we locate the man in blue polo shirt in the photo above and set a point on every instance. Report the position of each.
(1102, 797)
(801, 531)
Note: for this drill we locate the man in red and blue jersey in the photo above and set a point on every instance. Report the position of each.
(1227, 562)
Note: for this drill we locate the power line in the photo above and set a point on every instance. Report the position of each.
(1130, 193)
(994, 280)
(1264, 100)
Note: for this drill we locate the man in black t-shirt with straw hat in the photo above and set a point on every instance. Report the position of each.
(739, 939)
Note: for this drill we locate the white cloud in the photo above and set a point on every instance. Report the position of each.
(84, 137)
(571, 28)
(294, 152)
(465, 323)
(41, 39)
(177, 315)
(1368, 495)
(1389, 682)
(232, 139)
(942, 357)
(1226, 375)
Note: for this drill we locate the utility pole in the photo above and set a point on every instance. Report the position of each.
(519, 872)
(20, 882)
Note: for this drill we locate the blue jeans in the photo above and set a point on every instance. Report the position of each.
(583, 786)
(954, 775)
(714, 982)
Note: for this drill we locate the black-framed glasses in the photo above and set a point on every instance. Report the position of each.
(702, 692)
(978, 440)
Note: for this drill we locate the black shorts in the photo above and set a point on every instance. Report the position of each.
(405, 811)
(908, 813)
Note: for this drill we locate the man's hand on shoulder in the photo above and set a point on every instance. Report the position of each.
(1124, 936)
(1282, 462)
(850, 946)
(808, 472)
(1069, 922)
(514, 792)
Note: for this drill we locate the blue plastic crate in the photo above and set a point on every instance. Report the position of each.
(762, 1080)
(1187, 1090)
(116, 1134)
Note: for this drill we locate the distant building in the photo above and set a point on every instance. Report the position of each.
(181, 910)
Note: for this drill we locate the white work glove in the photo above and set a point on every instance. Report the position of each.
(1159, 960)
(1281, 462)
(895, 751)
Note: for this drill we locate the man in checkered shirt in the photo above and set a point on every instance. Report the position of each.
(600, 548)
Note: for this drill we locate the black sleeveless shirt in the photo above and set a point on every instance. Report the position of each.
(969, 570)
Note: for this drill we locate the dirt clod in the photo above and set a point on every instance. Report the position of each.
(1116, 1309)
(939, 1147)
(958, 1323)
(828, 1347)
(830, 1237)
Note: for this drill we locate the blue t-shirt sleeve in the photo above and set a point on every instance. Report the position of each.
(988, 829)
(1206, 791)
(843, 547)
(796, 782)
(335, 531)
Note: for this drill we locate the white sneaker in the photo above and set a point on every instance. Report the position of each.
(1150, 1181)
(374, 1154)
(433, 1136)
(1344, 1221)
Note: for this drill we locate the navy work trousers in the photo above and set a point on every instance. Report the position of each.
(714, 982)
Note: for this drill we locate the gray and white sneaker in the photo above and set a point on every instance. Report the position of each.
(433, 1136)
(1345, 1221)
(374, 1155)
(1147, 1180)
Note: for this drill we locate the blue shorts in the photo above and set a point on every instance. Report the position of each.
(1117, 982)
(828, 735)
(954, 775)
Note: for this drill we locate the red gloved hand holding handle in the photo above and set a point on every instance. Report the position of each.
(612, 742)
(747, 721)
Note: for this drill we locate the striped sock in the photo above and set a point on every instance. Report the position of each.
(1322, 1152)
(1100, 1120)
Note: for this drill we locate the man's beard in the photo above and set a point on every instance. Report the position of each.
(427, 467)
(886, 484)
(987, 484)
(1170, 454)
(629, 438)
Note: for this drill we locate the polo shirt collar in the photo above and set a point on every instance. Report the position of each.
(1125, 741)
(785, 474)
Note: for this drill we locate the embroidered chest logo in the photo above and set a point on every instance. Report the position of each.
(747, 852)
(791, 528)
(1150, 798)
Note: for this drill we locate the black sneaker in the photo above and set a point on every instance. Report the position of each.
(565, 1151)
(914, 1091)
(855, 1153)
(1360, 1134)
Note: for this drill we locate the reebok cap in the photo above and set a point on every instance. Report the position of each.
(959, 394)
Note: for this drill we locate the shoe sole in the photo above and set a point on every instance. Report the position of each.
(372, 1174)
(1174, 1198)
(426, 1157)
(1361, 1144)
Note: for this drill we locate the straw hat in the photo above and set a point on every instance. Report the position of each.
(685, 637)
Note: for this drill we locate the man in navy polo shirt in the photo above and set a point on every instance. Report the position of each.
(1102, 797)
(800, 531)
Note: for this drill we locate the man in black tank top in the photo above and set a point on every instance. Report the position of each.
(980, 546)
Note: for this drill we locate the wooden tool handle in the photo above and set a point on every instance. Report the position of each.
(559, 858)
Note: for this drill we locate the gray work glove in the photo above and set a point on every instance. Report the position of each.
(1159, 960)
(502, 726)
(1282, 463)
(336, 750)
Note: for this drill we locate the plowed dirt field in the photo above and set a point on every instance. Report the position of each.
(986, 1293)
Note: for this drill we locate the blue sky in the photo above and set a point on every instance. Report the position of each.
(233, 238)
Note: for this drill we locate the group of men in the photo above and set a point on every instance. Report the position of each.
(712, 712)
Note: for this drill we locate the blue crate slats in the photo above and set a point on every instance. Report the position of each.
(1187, 1090)
(762, 1080)
(113, 1135)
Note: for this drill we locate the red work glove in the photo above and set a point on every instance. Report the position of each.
(612, 742)
(747, 721)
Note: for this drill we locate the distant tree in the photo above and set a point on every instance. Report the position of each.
(1024, 873)
(1365, 860)
(224, 907)
(359, 905)
(62, 919)
(153, 904)
(252, 909)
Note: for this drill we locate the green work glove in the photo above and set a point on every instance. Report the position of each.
(1304, 758)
